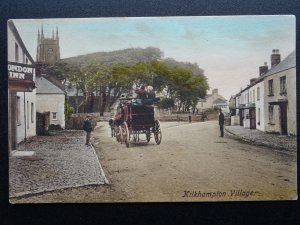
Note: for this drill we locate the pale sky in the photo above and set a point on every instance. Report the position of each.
(229, 49)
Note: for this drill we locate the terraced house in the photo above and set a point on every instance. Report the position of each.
(268, 103)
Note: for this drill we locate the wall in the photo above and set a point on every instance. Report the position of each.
(290, 96)
(26, 126)
(292, 104)
(52, 103)
(259, 105)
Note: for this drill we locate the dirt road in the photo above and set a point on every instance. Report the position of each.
(191, 164)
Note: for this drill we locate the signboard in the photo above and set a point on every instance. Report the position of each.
(19, 71)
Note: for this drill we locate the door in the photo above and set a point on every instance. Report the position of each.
(252, 118)
(241, 112)
(283, 118)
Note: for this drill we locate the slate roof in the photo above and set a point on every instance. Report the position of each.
(44, 86)
(219, 101)
(288, 63)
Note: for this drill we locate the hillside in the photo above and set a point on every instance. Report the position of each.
(125, 56)
(130, 56)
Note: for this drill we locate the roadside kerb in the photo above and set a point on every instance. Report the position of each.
(257, 142)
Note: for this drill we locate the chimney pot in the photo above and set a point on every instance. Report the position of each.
(275, 58)
(263, 69)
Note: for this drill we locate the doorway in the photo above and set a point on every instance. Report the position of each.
(283, 118)
(252, 118)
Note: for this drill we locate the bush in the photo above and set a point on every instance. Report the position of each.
(54, 127)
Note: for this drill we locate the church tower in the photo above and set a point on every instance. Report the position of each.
(47, 48)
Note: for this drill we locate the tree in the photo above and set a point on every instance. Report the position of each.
(166, 103)
(109, 75)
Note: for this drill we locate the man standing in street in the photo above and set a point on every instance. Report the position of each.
(221, 123)
(87, 127)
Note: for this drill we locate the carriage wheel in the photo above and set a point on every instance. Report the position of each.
(157, 132)
(125, 134)
(148, 135)
(118, 134)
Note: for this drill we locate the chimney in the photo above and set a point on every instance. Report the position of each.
(252, 80)
(263, 69)
(275, 57)
(215, 91)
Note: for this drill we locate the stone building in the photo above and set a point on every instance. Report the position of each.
(21, 89)
(213, 100)
(48, 51)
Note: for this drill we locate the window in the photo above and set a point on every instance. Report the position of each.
(54, 115)
(270, 82)
(18, 110)
(32, 112)
(16, 52)
(271, 113)
(258, 116)
(27, 114)
(250, 97)
(253, 96)
(24, 57)
(283, 85)
(258, 93)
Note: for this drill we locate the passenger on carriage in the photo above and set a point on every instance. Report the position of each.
(141, 92)
(145, 96)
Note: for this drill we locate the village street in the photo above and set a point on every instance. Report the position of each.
(191, 164)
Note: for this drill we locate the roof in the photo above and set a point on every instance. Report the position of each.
(219, 101)
(288, 63)
(44, 86)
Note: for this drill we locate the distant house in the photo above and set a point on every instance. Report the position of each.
(50, 98)
(213, 100)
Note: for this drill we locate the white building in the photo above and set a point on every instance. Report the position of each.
(50, 98)
(269, 102)
(258, 96)
(280, 96)
(21, 89)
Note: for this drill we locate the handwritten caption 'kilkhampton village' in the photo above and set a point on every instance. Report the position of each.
(220, 194)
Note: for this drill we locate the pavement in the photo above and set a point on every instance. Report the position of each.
(253, 136)
(46, 163)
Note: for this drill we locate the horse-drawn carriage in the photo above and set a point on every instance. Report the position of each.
(136, 122)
